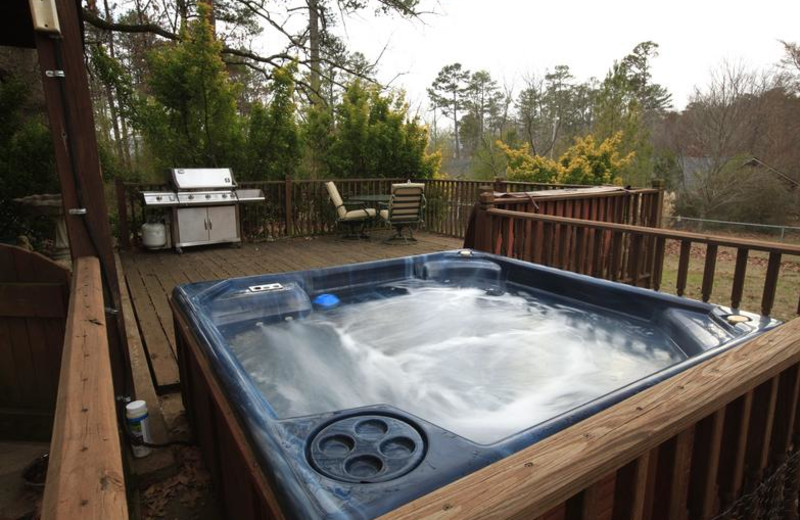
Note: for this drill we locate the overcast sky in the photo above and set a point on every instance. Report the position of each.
(511, 38)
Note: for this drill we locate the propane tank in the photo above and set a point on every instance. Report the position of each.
(154, 235)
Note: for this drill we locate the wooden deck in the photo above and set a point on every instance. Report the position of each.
(151, 275)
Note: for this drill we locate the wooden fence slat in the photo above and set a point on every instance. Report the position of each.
(683, 267)
(708, 271)
(629, 496)
(580, 253)
(679, 488)
(32, 300)
(703, 489)
(739, 273)
(616, 254)
(288, 209)
(762, 417)
(770, 283)
(650, 481)
(785, 410)
(635, 259)
(734, 442)
(598, 499)
(658, 263)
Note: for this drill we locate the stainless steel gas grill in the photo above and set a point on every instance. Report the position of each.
(205, 206)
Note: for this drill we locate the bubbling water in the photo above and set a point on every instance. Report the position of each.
(480, 365)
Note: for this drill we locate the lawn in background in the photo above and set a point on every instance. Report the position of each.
(788, 292)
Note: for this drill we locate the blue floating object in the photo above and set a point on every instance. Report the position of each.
(326, 301)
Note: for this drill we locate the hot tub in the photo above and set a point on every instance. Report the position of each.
(353, 390)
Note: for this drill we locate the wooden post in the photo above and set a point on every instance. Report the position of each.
(483, 221)
(69, 111)
(122, 215)
(659, 205)
(499, 184)
(287, 186)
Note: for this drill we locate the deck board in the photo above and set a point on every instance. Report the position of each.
(151, 276)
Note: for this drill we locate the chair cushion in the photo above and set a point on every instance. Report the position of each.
(384, 213)
(358, 214)
(333, 192)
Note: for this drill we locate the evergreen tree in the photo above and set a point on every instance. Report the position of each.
(190, 118)
(448, 93)
(374, 137)
(273, 138)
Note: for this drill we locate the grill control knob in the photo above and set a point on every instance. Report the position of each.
(208, 196)
(224, 195)
(158, 197)
(191, 197)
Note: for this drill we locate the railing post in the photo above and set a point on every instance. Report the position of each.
(500, 184)
(122, 215)
(287, 185)
(659, 205)
(483, 221)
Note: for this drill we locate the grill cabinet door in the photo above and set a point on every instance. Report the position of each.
(192, 225)
(222, 223)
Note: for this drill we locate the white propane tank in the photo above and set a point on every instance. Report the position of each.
(154, 235)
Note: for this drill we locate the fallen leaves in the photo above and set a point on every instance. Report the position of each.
(187, 487)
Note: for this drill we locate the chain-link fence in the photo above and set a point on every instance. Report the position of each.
(773, 498)
(790, 234)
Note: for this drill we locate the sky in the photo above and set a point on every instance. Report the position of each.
(514, 38)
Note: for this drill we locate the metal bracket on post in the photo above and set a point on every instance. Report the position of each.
(54, 73)
(77, 211)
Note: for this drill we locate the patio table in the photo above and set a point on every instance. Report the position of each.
(370, 199)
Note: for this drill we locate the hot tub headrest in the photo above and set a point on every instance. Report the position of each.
(267, 301)
(463, 271)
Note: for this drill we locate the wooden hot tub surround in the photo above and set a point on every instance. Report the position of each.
(688, 447)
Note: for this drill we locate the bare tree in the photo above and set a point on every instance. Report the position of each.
(725, 124)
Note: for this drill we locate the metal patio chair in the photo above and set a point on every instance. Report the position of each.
(404, 210)
(354, 215)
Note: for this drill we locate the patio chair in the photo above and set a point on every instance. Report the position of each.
(353, 215)
(404, 210)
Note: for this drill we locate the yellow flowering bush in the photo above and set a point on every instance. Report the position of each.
(585, 162)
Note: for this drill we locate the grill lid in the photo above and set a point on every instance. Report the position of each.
(202, 178)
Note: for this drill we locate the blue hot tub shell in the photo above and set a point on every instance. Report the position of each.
(301, 455)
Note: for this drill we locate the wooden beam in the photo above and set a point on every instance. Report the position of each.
(536, 479)
(85, 478)
(70, 114)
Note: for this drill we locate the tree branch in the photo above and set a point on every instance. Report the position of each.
(105, 25)
(150, 28)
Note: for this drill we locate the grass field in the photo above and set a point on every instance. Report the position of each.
(788, 292)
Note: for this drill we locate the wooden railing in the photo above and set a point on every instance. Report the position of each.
(716, 441)
(302, 207)
(631, 254)
(85, 478)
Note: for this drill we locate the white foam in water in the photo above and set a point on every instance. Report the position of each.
(481, 366)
